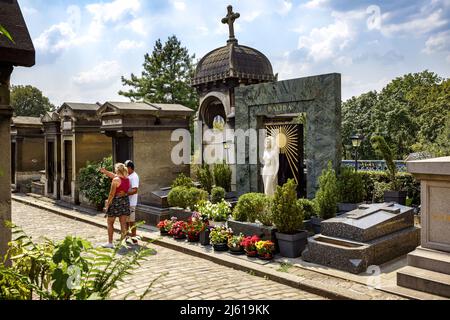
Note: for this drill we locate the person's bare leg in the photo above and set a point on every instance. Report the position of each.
(111, 221)
(123, 226)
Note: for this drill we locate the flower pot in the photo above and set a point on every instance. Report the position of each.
(316, 224)
(292, 245)
(265, 257)
(236, 250)
(193, 237)
(220, 247)
(179, 236)
(251, 254)
(204, 237)
(163, 232)
(395, 196)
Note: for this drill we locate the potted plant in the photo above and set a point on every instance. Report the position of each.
(165, 226)
(177, 230)
(219, 238)
(326, 197)
(395, 194)
(193, 227)
(288, 217)
(249, 245)
(265, 249)
(309, 211)
(234, 244)
(218, 212)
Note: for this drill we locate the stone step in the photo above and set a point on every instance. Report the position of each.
(430, 260)
(424, 280)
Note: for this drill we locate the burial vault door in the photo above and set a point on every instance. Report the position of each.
(50, 165)
(67, 168)
(289, 137)
(122, 149)
(13, 162)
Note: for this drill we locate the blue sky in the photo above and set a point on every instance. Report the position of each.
(84, 47)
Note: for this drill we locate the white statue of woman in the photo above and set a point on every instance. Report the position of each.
(271, 166)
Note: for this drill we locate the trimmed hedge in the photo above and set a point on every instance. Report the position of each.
(217, 194)
(94, 185)
(184, 197)
(406, 181)
(249, 207)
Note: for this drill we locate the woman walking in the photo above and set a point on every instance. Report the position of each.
(118, 204)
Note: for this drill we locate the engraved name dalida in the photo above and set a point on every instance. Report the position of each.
(280, 108)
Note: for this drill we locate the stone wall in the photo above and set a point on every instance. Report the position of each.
(152, 158)
(33, 154)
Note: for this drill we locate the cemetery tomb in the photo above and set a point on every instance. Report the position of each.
(52, 133)
(141, 132)
(81, 141)
(370, 235)
(428, 267)
(27, 142)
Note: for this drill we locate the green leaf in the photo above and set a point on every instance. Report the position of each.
(5, 32)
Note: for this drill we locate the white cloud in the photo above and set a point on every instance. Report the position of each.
(130, 44)
(438, 42)
(100, 75)
(114, 11)
(416, 25)
(138, 26)
(179, 5)
(286, 6)
(314, 4)
(326, 42)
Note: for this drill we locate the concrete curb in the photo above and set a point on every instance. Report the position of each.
(308, 285)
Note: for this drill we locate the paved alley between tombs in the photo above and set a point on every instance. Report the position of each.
(187, 278)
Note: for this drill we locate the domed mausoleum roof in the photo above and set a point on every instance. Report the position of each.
(233, 61)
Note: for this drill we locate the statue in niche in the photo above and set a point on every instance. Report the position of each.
(271, 166)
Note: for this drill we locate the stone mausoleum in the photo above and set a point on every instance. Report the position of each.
(27, 152)
(81, 141)
(238, 90)
(52, 133)
(142, 132)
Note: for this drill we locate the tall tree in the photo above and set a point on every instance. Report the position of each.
(166, 76)
(29, 101)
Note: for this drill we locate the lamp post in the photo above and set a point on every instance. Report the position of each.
(356, 143)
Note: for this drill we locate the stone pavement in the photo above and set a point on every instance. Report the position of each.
(187, 278)
(312, 278)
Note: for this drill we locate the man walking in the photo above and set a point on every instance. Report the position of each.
(132, 196)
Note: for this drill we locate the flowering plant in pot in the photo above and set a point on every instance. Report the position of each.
(219, 237)
(193, 227)
(165, 226)
(234, 244)
(177, 230)
(249, 245)
(265, 249)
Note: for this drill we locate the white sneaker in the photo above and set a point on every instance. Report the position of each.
(108, 245)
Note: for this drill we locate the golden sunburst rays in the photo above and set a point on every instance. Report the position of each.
(286, 137)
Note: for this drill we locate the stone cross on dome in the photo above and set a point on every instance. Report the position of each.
(229, 19)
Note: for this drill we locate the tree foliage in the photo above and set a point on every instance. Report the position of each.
(412, 113)
(166, 76)
(29, 101)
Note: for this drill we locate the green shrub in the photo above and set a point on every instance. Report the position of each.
(222, 176)
(185, 198)
(406, 181)
(214, 211)
(351, 186)
(182, 181)
(46, 271)
(94, 185)
(249, 207)
(217, 194)
(309, 208)
(177, 197)
(327, 196)
(382, 148)
(205, 177)
(266, 216)
(194, 196)
(379, 189)
(287, 213)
